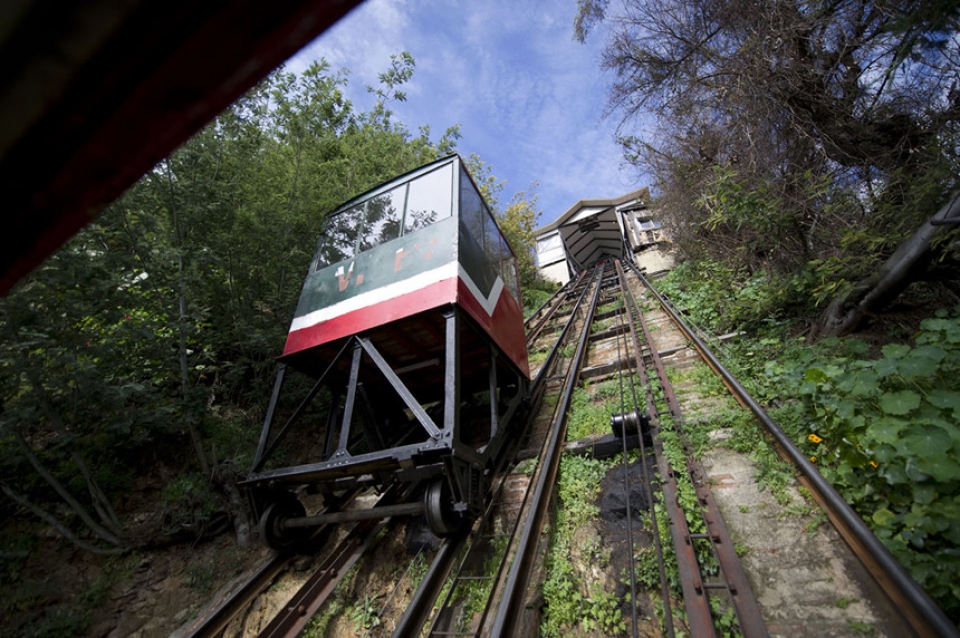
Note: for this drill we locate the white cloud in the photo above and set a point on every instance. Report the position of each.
(528, 97)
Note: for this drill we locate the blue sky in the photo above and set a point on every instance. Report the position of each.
(528, 97)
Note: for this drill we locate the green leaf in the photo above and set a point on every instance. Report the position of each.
(857, 346)
(895, 350)
(936, 324)
(884, 517)
(899, 403)
(926, 441)
(940, 466)
(862, 383)
(945, 399)
(914, 473)
(846, 409)
(886, 430)
(921, 362)
(886, 367)
(934, 353)
(894, 474)
(924, 494)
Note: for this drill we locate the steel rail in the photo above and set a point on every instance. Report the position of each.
(923, 614)
(477, 537)
(476, 541)
(537, 385)
(695, 599)
(522, 505)
(423, 601)
(218, 620)
(298, 611)
(514, 590)
(236, 601)
(738, 587)
(534, 331)
(421, 604)
(621, 335)
(641, 370)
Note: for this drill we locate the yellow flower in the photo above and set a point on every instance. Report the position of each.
(813, 459)
(814, 438)
(874, 464)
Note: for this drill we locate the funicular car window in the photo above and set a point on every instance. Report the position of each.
(383, 215)
(508, 267)
(430, 199)
(339, 238)
(471, 208)
(510, 276)
(491, 239)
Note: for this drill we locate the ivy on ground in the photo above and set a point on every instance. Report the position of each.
(881, 427)
(884, 432)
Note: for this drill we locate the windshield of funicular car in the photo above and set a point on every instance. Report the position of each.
(397, 209)
(386, 214)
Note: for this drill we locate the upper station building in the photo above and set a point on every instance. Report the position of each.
(596, 229)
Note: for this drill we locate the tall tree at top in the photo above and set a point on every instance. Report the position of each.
(789, 132)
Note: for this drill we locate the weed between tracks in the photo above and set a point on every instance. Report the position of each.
(575, 591)
(579, 595)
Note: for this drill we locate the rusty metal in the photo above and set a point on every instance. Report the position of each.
(695, 600)
(533, 332)
(421, 604)
(217, 621)
(741, 595)
(668, 483)
(310, 597)
(917, 607)
(515, 588)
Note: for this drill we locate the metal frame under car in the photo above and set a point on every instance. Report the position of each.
(454, 470)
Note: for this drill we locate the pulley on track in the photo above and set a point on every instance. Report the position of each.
(631, 423)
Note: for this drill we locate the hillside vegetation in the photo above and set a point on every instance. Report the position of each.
(877, 411)
(138, 360)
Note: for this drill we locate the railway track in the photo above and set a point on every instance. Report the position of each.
(610, 329)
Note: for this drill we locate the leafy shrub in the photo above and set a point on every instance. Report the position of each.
(719, 298)
(189, 501)
(533, 299)
(885, 433)
(586, 416)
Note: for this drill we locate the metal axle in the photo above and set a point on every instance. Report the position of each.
(402, 509)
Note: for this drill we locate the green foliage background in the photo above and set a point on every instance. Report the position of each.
(145, 346)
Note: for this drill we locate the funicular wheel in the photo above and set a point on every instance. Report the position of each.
(438, 508)
(272, 531)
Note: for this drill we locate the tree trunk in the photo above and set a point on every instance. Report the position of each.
(57, 525)
(845, 313)
(68, 498)
(179, 233)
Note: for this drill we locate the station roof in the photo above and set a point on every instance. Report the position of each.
(590, 229)
(97, 92)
